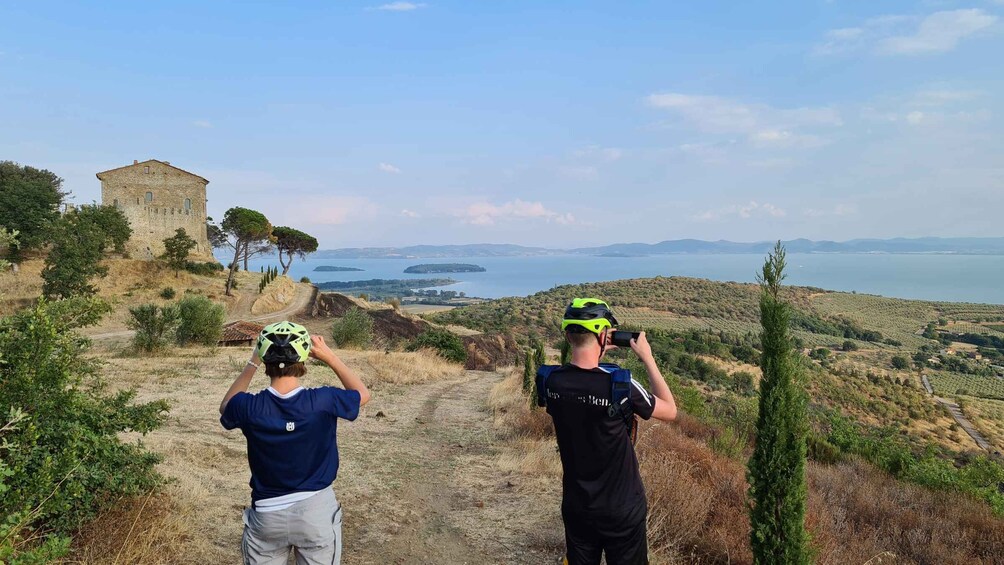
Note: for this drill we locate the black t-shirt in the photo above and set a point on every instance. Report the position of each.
(601, 477)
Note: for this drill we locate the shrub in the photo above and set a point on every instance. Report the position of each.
(167, 293)
(153, 324)
(305, 279)
(354, 329)
(201, 321)
(447, 344)
(394, 302)
(900, 362)
(849, 345)
(744, 383)
(61, 451)
(206, 269)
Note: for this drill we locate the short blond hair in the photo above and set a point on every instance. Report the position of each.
(290, 370)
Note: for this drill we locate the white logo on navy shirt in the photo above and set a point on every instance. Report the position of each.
(290, 426)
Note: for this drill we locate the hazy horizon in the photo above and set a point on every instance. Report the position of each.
(375, 124)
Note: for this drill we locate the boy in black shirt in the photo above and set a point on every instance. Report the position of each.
(603, 503)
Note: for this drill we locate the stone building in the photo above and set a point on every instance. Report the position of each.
(157, 199)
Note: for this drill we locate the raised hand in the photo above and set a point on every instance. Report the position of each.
(641, 347)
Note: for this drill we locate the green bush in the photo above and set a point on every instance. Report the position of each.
(354, 329)
(305, 279)
(208, 268)
(447, 344)
(61, 458)
(200, 321)
(153, 325)
(900, 362)
(167, 293)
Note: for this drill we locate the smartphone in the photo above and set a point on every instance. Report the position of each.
(623, 339)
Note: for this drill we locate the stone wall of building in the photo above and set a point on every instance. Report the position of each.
(157, 199)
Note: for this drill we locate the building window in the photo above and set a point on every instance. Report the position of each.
(146, 170)
(188, 204)
(115, 203)
(149, 197)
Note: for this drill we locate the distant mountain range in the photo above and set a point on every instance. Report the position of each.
(956, 245)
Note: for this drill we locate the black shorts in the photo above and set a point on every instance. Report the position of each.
(587, 538)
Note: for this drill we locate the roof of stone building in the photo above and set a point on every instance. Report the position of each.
(241, 331)
(165, 163)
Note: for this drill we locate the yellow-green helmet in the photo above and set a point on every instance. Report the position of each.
(588, 314)
(284, 343)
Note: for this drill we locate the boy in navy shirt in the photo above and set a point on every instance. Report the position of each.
(292, 449)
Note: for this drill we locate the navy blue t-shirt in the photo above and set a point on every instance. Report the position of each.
(291, 441)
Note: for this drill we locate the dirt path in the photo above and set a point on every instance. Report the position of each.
(964, 423)
(956, 413)
(241, 311)
(418, 478)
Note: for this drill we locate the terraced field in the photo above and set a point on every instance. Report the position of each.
(946, 383)
(973, 328)
(897, 319)
(649, 319)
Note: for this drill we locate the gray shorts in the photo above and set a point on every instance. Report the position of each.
(311, 527)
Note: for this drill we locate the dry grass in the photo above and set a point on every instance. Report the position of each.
(277, 295)
(152, 530)
(697, 498)
(697, 510)
(514, 417)
(528, 434)
(405, 367)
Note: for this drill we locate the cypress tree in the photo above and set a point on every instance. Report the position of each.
(539, 357)
(776, 470)
(529, 372)
(566, 351)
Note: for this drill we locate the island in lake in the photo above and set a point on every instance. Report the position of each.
(445, 268)
(332, 269)
(383, 288)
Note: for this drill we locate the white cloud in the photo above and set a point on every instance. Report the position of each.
(597, 153)
(202, 124)
(785, 138)
(942, 105)
(839, 210)
(944, 96)
(399, 7)
(907, 35)
(939, 32)
(579, 173)
(763, 125)
(777, 163)
(388, 168)
(742, 211)
(707, 153)
(915, 118)
(487, 214)
(406, 213)
(332, 210)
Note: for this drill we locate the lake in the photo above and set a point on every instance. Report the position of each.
(957, 278)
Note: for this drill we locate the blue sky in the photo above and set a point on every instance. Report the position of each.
(543, 123)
